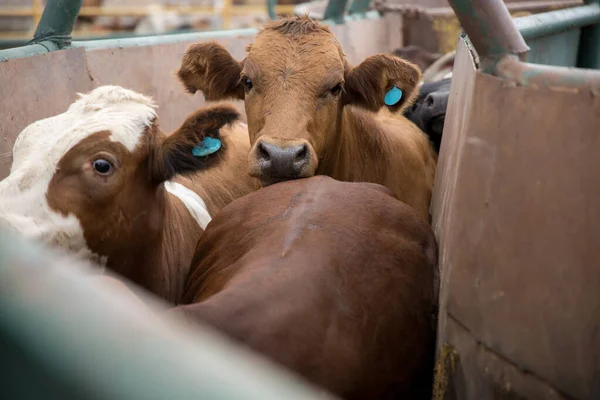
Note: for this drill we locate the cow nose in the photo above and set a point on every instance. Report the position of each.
(436, 103)
(282, 161)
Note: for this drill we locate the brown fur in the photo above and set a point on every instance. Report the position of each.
(333, 280)
(295, 65)
(147, 234)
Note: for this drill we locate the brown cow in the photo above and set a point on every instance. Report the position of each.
(100, 180)
(310, 113)
(333, 280)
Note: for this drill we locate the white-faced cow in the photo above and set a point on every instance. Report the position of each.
(311, 113)
(334, 280)
(101, 181)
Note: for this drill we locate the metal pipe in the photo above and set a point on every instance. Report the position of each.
(135, 41)
(545, 76)
(25, 51)
(81, 340)
(553, 22)
(490, 28)
(335, 10)
(359, 6)
(163, 39)
(57, 22)
(271, 4)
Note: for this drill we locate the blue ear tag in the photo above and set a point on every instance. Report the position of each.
(208, 146)
(393, 96)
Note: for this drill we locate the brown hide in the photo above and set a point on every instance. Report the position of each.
(311, 113)
(333, 280)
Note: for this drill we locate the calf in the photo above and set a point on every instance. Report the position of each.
(429, 111)
(333, 280)
(100, 180)
(310, 113)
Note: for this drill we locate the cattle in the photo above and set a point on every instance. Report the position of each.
(104, 183)
(311, 113)
(428, 112)
(335, 281)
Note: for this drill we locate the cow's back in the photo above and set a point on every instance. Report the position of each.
(332, 280)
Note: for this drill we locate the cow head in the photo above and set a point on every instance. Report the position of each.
(295, 81)
(90, 180)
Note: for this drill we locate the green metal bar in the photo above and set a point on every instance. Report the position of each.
(163, 39)
(128, 41)
(11, 43)
(525, 74)
(57, 22)
(24, 51)
(553, 22)
(359, 6)
(589, 44)
(335, 10)
(271, 8)
(490, 28)
(81, 340)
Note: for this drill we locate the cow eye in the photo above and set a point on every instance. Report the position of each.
(102, 166)
(247, 84)
(336, 89)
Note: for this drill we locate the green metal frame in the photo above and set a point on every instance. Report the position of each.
(64, 337)
(335, 10)
(498, 41)
(55, 27)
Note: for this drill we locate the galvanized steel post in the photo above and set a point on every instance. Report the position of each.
(335, 10)
(490, 28)
(271, 8)
(57, 23)
(53, 31)
(359, 6)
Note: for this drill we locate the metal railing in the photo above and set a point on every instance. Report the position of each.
(502, 49)
(59, 17)
(64, 336)
(227, 11)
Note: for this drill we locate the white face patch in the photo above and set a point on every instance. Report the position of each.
(192, 201)
(39, 148)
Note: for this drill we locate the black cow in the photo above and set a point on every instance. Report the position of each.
(429, 110)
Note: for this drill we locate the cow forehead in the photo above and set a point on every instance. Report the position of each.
(311, 52)
(122, 112)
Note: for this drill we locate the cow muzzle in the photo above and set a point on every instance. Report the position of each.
(274, 161)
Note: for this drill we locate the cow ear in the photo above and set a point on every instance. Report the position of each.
(382, 80)
(196, 145)
(209, 68)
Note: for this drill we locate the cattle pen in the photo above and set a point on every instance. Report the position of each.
(513, 209)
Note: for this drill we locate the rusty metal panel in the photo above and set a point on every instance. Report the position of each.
(34, 88)
(151, 70)
(516, 216)
(459, 102)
